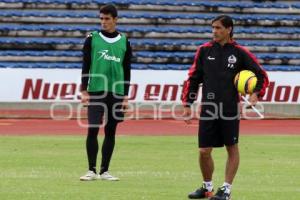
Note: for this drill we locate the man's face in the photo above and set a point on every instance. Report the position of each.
(220, 33)
(108, 23)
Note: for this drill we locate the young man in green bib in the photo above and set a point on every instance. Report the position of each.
(104, 87)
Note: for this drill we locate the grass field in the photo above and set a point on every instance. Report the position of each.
(158, 168)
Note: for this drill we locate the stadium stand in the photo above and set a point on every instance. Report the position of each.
(164, 33)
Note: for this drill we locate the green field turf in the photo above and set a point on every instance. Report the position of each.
(158, 168)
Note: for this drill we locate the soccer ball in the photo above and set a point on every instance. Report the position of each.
(245, 82)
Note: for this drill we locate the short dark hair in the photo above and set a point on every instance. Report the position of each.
(226, 22)
(109, 9)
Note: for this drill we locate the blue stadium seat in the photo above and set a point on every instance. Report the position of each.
(157, 67)
(162, 54)
(135, 42)
(46, 13)
(267, 56)
(42, 65)
(296, 5)
(141, 54)
(59, 65)
(139, 66)
(178, 67)
(167, 60)
(227, 4)
(147, 29)
(147, 15)
(135, 66)
(186, 67)
(161, 42)
(27, 40)
(49, 1)
(282, 68)
(41, 53)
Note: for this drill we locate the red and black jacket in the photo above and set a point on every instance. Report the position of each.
(215, 66)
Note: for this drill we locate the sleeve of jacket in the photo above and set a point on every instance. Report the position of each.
(127, 68)
(195, 77)
(251, 63)
(86, 63)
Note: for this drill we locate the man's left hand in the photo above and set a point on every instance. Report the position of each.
(253, 99)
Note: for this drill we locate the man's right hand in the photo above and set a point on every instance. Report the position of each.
(85, 97)
(187, 115)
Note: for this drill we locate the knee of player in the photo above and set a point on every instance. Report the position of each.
(205, 152)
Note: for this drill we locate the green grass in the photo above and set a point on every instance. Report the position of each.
(158, 168)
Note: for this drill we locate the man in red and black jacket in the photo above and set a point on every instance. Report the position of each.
(215, 65)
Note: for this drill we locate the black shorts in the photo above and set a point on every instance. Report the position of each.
(104, 105)
(218, 132)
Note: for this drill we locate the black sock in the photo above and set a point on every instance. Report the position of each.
(108, 145)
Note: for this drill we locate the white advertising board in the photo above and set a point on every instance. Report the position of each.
(56, 85)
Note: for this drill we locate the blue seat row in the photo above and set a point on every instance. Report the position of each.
(41, 53)
(161, 42)
(156, 42)
(296, 5)
(147, 15)
(147, 29)
(62, 65)
(226, 4)
(186, 67)
(265, 56)
(41, 65)
(141, 54)
(41, 40)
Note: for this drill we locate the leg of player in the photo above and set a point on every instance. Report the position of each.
(232, 164)
(107, 150)
(95, 115)
(206, 164)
